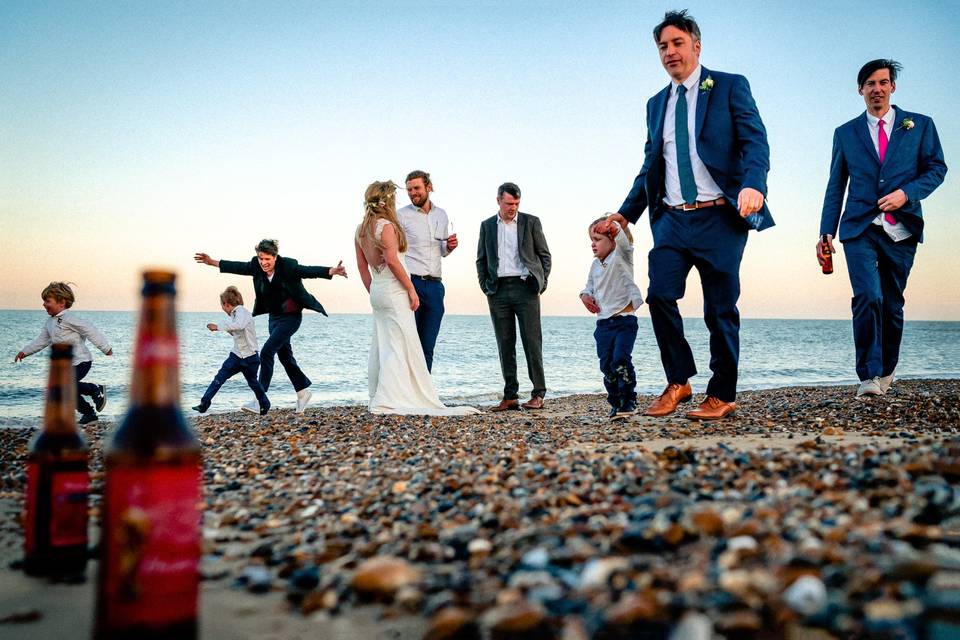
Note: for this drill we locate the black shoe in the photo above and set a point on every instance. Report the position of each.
(264, 408)
(613, 413)
(201, 408)
(627, 410)
(87, 418)
(100, 400)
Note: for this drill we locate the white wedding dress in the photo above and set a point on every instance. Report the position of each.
(397, 371)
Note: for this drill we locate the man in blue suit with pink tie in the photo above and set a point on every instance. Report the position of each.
(892, 160)
(704, 181)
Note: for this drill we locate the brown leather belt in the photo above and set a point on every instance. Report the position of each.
(698, 205)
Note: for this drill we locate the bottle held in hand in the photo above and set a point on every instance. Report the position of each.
(150, 542)
(58, 480)
(827, 266)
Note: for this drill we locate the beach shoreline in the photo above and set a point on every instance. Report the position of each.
(509, 518)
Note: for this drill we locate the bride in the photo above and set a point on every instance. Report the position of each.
(398, 377)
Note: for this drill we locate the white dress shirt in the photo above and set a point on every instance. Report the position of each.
(610, 282)
(508, 250)
(243, 330)
(707, 188)
(67, 327)
(422, 228)
(897, 232)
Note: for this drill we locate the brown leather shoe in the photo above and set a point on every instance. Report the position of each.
(507, 405)
(713, 409)
(667, 403)
(535, 402)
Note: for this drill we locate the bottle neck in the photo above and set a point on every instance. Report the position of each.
(61, 403)
(156, 380)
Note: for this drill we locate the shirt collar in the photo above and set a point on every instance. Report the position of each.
(692, 80)
(887, 118)
(514, 221)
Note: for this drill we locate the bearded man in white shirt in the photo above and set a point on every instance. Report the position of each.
(428, 240)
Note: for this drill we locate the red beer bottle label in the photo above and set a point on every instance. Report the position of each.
(29, 525)
(154, 537)
(68, 517)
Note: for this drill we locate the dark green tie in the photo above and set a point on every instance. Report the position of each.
(688, 186)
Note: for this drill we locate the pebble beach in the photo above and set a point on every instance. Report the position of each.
(810, 514)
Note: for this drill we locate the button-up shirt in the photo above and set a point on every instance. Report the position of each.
(508, 250)
(67, 327)
(897, 232)
(610, 282)
(707, 188)
(422, 228)
(243, 330)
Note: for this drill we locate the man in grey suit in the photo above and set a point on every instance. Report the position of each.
(513, 264)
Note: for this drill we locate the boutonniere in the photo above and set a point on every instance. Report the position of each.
(907, 123)
(707, 84)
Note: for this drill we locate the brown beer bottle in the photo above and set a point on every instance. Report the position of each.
(827, 265)
(58, 481)
(148, 579)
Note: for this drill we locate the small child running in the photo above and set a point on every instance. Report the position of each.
(64, 326)
(243, 357)
(612, 294)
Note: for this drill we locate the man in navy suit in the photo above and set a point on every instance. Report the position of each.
(704, 180)
(892, 160)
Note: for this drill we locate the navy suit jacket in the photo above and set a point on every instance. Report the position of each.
(730, 140)
(913, 162)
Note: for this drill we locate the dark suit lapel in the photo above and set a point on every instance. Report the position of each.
(863, 132)
(897, 133)
(702, 99)
(659, 113)
(493, 245)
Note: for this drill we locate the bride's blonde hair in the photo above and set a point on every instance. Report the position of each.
(380, 201)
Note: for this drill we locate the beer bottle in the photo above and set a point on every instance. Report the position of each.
(58, 481)
(148, 579)
(827, 266)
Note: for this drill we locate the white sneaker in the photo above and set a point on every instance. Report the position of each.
(251, 407)
(886, 381)
(870, 387)
(303, 397)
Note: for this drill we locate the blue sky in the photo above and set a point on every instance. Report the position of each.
(134, 134)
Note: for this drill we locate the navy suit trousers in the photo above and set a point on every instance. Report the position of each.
(428, 315)
(878, 269)
(282, 326)
(615, 339)
(712, 240)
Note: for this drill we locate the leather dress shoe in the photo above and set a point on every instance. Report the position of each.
(535, 402)
(507, 405)
(712, 408)
(667, 403)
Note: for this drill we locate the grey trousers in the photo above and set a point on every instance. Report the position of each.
(515, 302)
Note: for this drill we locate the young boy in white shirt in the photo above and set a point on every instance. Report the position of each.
(243, 358)
(64, 326)
(614, 297)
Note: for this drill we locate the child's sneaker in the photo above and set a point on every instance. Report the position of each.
(87, 418)
(100, 400)
(613, 413)
(625, 411)
(201, 408)
(264, 408)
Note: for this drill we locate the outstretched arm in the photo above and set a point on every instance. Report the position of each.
(39, 343)
(204, 258)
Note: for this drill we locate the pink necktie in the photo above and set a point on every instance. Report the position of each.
(882, 145)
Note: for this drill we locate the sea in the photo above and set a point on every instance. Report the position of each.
(333, 353)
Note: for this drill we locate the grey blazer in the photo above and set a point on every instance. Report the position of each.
(534, 253)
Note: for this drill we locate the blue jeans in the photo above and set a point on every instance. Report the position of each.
(615, 339)
(233, 365)
(282, 326)
(878, 268)
(84, 388)
(429, 315)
